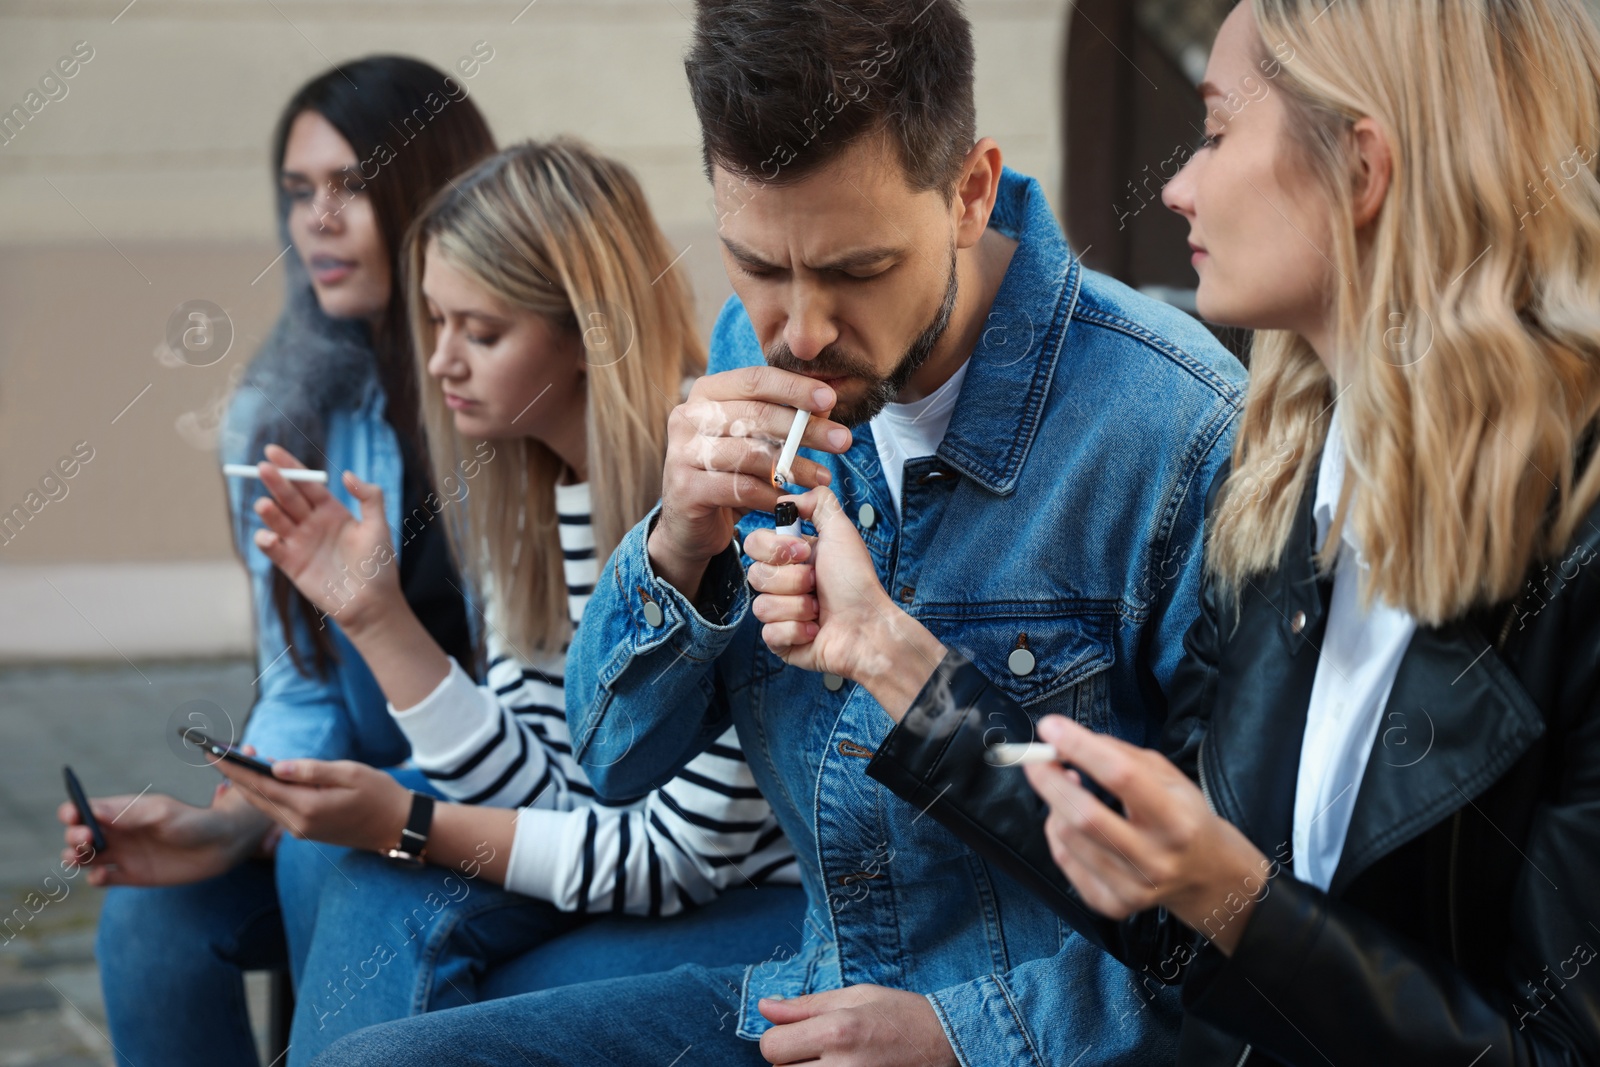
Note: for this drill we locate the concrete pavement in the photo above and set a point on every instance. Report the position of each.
(112, 723)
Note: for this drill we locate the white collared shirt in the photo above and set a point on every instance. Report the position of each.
(1361, 652)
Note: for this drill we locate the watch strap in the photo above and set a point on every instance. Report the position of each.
(414, 837)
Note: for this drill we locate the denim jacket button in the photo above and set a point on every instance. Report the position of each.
(866, 516)
(1021, 662)
(652, 613)
(832, 682)
(1298, 623)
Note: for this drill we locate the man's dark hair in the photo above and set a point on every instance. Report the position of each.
(783, 86)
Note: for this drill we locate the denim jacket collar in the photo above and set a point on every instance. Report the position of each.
(997, 418)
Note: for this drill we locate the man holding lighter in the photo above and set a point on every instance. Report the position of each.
(1025, 447)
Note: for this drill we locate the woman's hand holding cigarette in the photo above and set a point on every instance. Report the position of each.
(343, 566)
(722, 442)
(1164, 848)
(824, 610)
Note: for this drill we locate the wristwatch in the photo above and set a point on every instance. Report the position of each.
(414, 838)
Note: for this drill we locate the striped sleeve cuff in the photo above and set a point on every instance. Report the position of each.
(537, 848)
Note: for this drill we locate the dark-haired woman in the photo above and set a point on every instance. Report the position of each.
(357, 152)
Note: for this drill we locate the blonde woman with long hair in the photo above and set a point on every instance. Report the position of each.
(1374, 833)
(553, 339)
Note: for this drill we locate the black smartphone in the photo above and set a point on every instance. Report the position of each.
(81, 802)
(216, 748)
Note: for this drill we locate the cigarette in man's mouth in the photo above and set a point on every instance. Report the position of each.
(290, 474)
(783, 471)
(1009, 754)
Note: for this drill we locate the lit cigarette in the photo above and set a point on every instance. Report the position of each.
(290, 474)
(783, 472)
(1008, 754)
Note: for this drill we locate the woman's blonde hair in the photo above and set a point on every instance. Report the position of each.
(557, 229)
(1468, 322)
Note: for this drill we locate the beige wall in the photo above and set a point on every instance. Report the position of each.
(146, 186)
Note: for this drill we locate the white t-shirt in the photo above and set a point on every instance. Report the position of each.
(910, 431)
(1361, 651)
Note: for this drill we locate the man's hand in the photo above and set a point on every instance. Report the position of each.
(860, 1024)
(338, 802)
(156, 840)
(721, 444)
(823, 609)
(347, 568)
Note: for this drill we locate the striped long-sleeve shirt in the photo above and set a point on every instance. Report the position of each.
(506, 744)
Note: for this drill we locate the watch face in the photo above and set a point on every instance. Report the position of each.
(407, 857)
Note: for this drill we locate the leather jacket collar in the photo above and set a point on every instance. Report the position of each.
(1457, 717)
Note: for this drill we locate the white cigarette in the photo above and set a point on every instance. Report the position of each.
(783, 472)
(1007, 754)
(290, 474)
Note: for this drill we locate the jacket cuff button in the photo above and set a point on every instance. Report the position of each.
(866, 516)
(832, 682)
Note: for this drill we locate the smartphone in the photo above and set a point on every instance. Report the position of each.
(221, 751)
(81, 802)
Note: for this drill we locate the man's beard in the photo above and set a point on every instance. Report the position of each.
(834, 362)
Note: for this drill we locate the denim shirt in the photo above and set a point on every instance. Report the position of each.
(1055, 539)
(342, 714)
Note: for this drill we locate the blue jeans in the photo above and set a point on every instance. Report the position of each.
(172, 959)
(172, 962)
(648, 1019)
(379, 941)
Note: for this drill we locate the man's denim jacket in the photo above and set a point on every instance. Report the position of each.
(1055, 539)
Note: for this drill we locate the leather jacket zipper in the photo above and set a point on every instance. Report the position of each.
(1200, 763)
(1505, 628)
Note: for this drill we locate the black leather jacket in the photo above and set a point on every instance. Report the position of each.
(1462, 925)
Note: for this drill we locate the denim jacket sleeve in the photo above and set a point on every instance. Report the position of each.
(934, 759)
(1016, 1017)
(643, 693)
(293, 715)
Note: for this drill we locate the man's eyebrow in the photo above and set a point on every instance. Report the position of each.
(747, 255)
(1205, 89)
(860, 257)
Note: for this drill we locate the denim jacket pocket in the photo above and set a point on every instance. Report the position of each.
(1050, 661)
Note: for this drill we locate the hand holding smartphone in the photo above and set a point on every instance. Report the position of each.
(85, 812)
(212, 746)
